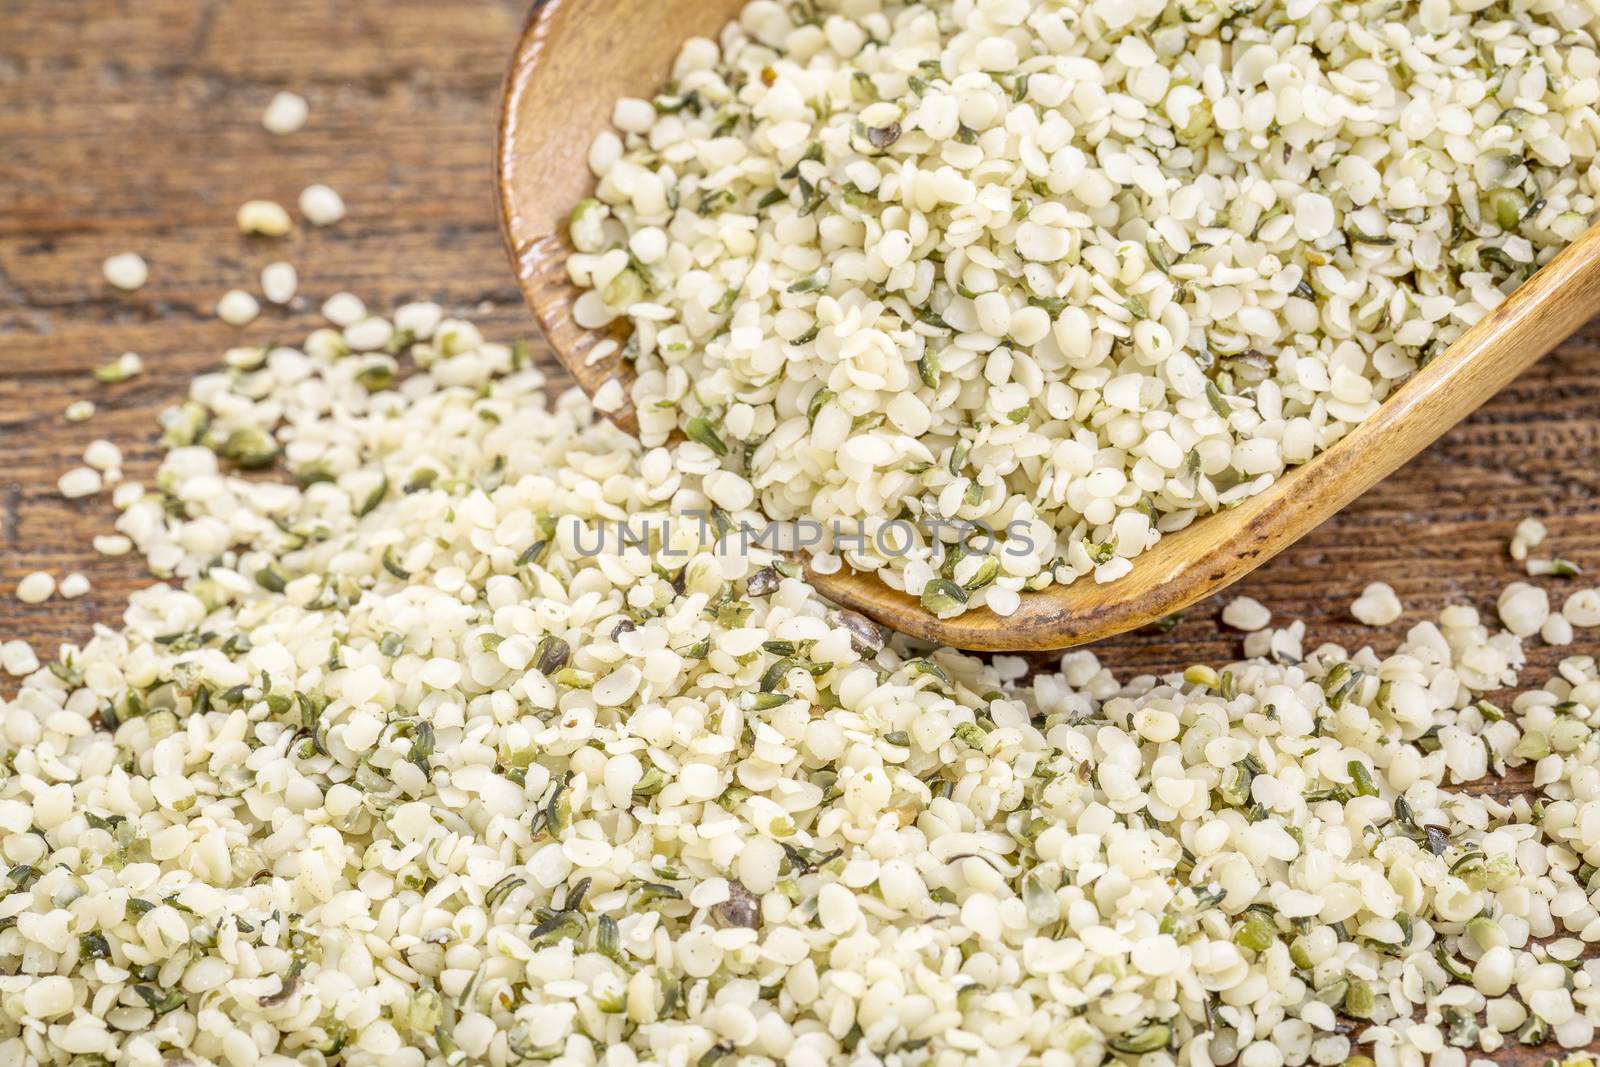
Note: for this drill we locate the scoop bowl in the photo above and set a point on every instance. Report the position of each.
(576, 57)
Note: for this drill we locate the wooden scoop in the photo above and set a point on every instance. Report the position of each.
(576, 57)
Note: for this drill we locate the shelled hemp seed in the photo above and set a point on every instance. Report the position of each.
(79, 482)
(1529, 534)
(17, 658)
(408, 764)
(238, 308)
(126, 271)
(1049, 280)
(1246, 613)
(265, 217)
(279, 282)
(1377, 605)
(36, 587)
(120, 369)
(286, 113)
(321, 205)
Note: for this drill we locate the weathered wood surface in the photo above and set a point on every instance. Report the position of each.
(135, 125)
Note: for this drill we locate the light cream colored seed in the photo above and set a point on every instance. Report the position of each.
(73, 586)
(120, 369)
(36, 588)
(79, 482)
(1492, 974)
(238, 308)
(1545, 568)
(1244, 613)
(454, 336)
(1582, 608)
(126, 270)
(17, 658)
(285, 113)
(264, 217)
(1523, 608)
(419, 319)
(1556, 629)
(1377, 605)
(344, 309)
(1529, 534)
(279, 282)
(102, 455)
(321, 206)
(48, 997)
(80, 411)
(610, 396)
(112, 544)
(369, 334)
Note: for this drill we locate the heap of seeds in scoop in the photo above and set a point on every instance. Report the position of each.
(1040, 281)
(404, 766)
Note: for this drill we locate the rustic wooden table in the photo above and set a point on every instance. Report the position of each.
(135, 125)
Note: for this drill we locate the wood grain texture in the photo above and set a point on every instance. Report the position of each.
(135, 125)
(569, 51)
